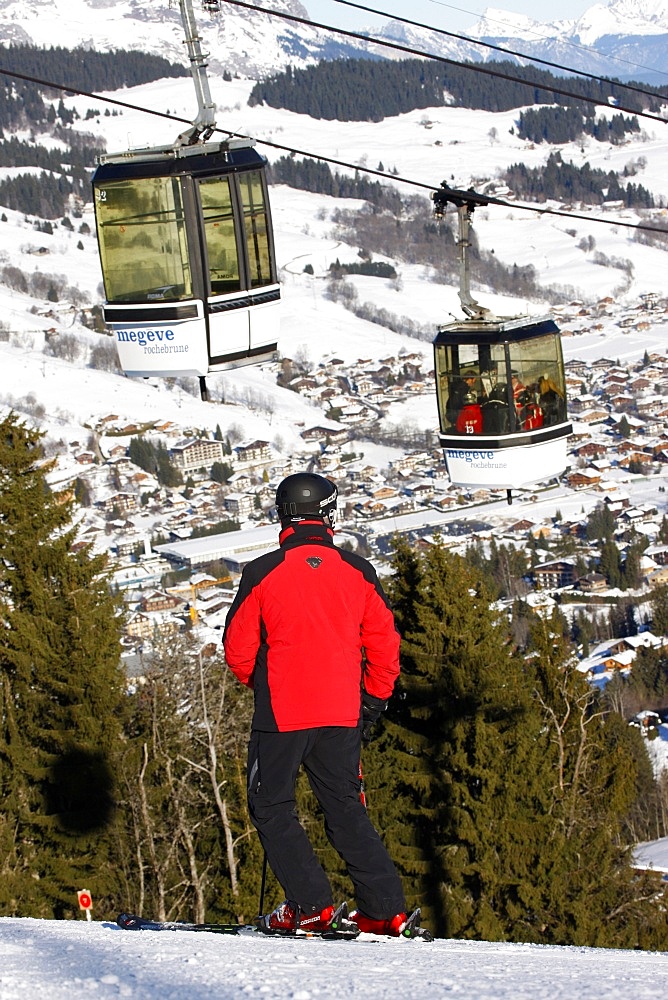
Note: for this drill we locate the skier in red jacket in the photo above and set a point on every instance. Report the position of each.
(311, 632)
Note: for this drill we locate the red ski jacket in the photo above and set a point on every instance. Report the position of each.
(309, 626)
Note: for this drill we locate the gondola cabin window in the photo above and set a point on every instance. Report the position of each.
(143, 241)
(219, 233)
(500, 388)
(256, 228)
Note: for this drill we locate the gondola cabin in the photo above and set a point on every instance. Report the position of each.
(187, 257)
(501, 401)
(500, 384)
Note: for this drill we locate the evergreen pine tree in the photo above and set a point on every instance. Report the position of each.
(500, 789)
(61, 693)
(659, 606)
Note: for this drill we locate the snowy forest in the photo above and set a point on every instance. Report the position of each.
(508, 792)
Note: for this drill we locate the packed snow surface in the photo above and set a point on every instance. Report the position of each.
(61, 960)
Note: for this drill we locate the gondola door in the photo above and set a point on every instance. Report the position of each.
(243, 293)
(224, 260)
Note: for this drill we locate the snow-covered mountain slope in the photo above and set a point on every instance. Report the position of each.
(623, 38)
(590, 260)
(240, 41)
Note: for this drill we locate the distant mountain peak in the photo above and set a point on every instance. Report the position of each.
(621, 36)
(624, 38)
(617, 17)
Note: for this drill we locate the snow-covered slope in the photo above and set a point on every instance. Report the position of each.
(70, 960)
(589, 260)
(623, 38)
(239, 41)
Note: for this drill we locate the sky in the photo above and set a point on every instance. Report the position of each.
(439, 14)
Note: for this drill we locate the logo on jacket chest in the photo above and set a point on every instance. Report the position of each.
(314, 561)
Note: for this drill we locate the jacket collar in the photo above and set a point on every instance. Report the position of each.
(306, 531)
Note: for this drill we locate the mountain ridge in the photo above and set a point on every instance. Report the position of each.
(624, 38)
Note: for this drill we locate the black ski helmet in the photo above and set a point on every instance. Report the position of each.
(305, 495)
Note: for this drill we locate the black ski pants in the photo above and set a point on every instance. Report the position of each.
(330, 756)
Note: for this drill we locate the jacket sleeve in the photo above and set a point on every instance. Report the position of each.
(242, 635)
(381, 642)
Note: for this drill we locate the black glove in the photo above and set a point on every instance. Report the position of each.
(371, 710)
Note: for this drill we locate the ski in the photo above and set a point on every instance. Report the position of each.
(340, 929)
(132, 922)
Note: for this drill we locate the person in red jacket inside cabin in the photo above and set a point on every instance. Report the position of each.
(311, 632)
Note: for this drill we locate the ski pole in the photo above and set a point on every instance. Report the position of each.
(263, 884)
(360, 776)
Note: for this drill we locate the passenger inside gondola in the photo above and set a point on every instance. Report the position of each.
(552, 401)
(462, 388)
(469, 418)
(529, 412)
(496, 412)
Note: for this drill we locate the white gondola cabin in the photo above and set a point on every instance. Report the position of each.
(500, 389)
(186, 247)
(188, 259)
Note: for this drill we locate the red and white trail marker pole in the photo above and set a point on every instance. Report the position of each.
(85, 901)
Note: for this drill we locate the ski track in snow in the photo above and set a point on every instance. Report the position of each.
(61, 960)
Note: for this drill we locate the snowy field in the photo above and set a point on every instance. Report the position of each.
(456, 144)
(68, 960)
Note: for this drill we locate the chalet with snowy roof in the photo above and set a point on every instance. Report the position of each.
(159, 600)
(302, 384)
(582, 478)
(592, 583)
(353, 413)
(619, 661)
(603, 365)
(595, 415)
(581, 403)
(522, 526)
(640, 383)
(421, 491)
(121, 502)
(621, 401)
(645, 640)
(650, 406)
(145, 626)
(555, 575)
(321, 434)
(658, 553)
(444, 501)
(592, 450)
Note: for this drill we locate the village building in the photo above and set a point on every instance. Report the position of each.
(555, 575)
(196, 454)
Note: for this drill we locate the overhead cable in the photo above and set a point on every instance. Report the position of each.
(470, 196)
